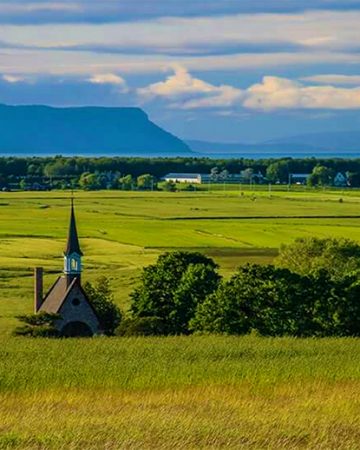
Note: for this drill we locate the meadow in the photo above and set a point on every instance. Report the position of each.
(194, 392)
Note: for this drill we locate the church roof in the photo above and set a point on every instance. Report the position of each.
(73, 245)
(57, 295)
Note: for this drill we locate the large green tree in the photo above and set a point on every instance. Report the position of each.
(272, 301)
(307, 256)
(172, 288)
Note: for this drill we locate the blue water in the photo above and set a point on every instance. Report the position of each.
(248, 155)
(268, 155)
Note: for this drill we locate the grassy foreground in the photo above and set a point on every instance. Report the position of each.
(197, 392)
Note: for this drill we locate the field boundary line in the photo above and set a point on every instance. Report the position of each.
(259, 217)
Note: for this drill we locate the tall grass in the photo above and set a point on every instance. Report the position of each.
(196, 392)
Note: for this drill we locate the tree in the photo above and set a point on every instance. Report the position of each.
(262, 298)
(171, 289)
(247, 175)
(126, 183)
(307, 256)
(101, 298)
(312, 180)
(60, 167)
(278, 172)
(353, 179)
(322, 175)
(89, 182)
(169, 186)
(348, 309)
(224, 175)
(22, 184)
(145, 181)
(214, 174)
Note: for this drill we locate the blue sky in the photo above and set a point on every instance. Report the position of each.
(229, 70)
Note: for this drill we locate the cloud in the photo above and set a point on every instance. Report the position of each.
(184, 91)
(177, 85)
(281, 93)
(109, 11)
(248, 33)
(188, 92)
(334, 79)
(240, 42)
(109, 78)
(12, 78)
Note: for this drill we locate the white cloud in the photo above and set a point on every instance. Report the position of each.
(188, 92)
(112, 79)
(280, 93)
(12, 78)
(184, 91)
(177, 85)
(352, 80)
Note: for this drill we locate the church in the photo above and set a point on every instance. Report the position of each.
(67, 297)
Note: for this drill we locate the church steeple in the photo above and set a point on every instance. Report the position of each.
(73, 245)
(72, 253)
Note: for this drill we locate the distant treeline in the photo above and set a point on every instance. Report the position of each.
(58, 167)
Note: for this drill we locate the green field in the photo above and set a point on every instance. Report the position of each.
(123, 231)
(198, 392)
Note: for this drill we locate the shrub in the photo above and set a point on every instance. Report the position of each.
(141, 326)
(38, 325)
(101, 298)
(42, 331)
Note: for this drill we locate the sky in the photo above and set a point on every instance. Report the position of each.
(215, 70)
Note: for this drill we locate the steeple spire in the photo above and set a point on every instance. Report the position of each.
(72, 253)
(73, 245)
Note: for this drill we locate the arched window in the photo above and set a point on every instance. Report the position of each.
(74, 264)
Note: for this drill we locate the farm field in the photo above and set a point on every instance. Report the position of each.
(181, 392)
(123, 231)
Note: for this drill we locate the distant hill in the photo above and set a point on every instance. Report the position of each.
(314, 143)
(86, 130)
(327, 141)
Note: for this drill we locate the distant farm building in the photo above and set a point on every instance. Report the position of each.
(299, 178)
(67, 297)
(201, 178)
(340, 180)
(183, 177)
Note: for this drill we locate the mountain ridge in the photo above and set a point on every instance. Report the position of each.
(333, 141)
(45, 129)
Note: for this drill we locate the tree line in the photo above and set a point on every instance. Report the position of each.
(106, 172)
(313, 289)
